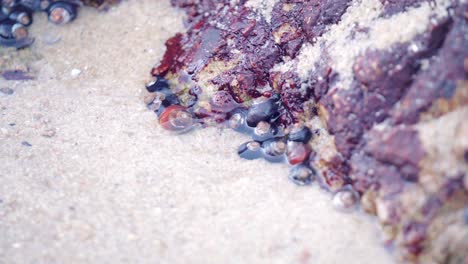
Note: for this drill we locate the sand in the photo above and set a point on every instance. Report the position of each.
(101, 182)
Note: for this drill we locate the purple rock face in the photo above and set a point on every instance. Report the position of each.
(370, 133)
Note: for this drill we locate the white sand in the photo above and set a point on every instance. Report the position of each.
(111, 187)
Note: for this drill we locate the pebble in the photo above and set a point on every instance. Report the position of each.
(75, 73)
(158, 84)
(7, 91)
(176, 118)
(300, 134)
(262, 111)
(149, 98)
(25, 143)
(16, 75)
(16, 245)
(297, 152)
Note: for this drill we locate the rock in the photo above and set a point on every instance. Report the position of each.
(7, 91)
(75, 73)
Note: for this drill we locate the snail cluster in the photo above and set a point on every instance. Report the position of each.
(17, 15)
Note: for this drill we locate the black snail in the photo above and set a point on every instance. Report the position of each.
(17, 15)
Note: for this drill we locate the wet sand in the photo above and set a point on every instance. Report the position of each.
(101, 182)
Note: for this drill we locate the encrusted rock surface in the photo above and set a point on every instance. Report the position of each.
(382, 85)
